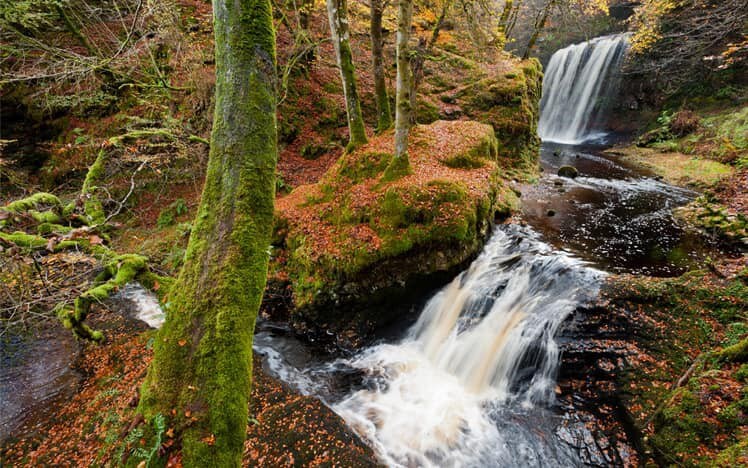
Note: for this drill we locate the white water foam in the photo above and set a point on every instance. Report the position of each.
(146, 303)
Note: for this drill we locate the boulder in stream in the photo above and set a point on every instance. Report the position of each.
(570, 172)
(354, 251)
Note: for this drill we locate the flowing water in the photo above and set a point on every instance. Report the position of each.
(482, 350)
(618, 217)
(577, 83)
(473, 381)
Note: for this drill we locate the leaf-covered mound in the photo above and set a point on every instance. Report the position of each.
(353, 240)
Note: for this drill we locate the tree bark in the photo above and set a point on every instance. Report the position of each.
(337, 12)
(400, 164)
(201, 373)
(384, 114)
(539, 25)
(419, 59)
(504, 19)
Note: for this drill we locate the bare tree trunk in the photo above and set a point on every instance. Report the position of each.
(201, 373)
(384, 115)
(337, 11)
(400, 164)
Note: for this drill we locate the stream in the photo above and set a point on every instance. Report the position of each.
(473, 381)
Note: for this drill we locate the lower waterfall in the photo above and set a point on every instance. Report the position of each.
(483, 345)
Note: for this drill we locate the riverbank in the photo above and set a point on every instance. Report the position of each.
(667, 354)
(87, 427)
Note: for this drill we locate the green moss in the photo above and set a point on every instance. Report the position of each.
(34, 201)
(742, 373)
(312, 151)
(363, 166)
(737, 352)
(475, 157)
(22, 239)
(116, 274)
(735, 455)
(680, 426)
(426, 111)
(370, 225)
(397, 168)
(168, 216)
(510, 104)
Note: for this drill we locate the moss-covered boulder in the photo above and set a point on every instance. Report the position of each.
(509, 102)
(350, 247)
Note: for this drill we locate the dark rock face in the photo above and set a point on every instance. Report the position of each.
(390, 291)
(569, 172)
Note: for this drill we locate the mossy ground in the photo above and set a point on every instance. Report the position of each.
(676, 322)
(678, 168)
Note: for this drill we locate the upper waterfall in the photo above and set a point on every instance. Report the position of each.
(576, 80)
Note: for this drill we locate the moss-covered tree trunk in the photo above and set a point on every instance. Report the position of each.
(337, 12)
(400, 164)
(504, 18)
(384, 115)
(538, 28)
(201, 372)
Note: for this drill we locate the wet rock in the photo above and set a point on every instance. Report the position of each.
(299, 428)
(558, 183)
(569, 172)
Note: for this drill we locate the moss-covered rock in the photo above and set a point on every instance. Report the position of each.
(570, 172)
(353, 244)
(509, 102)
(717, 219)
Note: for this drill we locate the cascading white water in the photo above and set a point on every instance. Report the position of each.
(576, 79)
(485, 341)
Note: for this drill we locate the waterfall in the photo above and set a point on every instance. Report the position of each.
(484, 343)
(577, 80)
